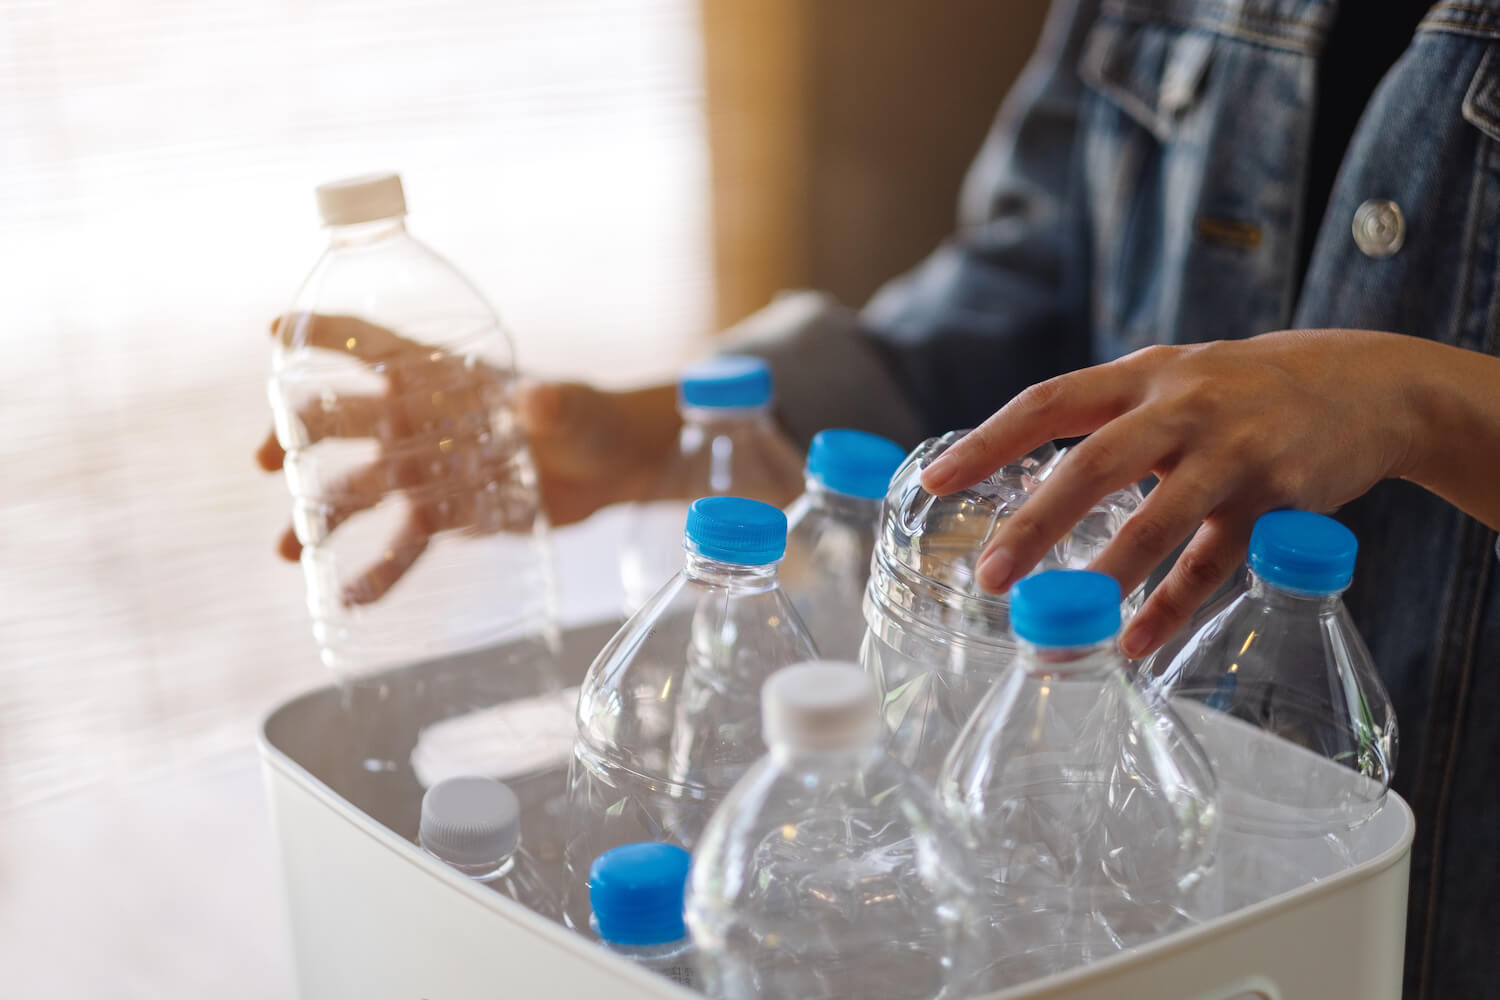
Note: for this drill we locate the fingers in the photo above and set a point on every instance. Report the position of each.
(270, 454)
(404, 550)
(289, 547)
(1111, 458)
(1171, 512)
(1073, 404)
(1217, 549)
(360, 490)
(347, 334)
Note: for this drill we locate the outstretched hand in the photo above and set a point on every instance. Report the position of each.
(1305, 419)
(448, 431)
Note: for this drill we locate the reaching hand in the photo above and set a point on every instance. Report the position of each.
(1306, 419)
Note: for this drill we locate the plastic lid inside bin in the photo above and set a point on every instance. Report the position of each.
(728, 382)
(1304, 552)
(820, 706)
(736, 530)
(854, 463)
(1065, 607)
(637, 893)
(470, 821)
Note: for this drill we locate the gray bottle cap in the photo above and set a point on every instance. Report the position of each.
(470, 821)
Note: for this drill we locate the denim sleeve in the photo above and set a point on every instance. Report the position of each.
(999, 305)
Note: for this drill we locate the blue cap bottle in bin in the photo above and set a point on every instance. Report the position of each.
(1277, 664)
(669, 711)
(1065, 750)
(831, 535)
(636, 893)
(729, 445)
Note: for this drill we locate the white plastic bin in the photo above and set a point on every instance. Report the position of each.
(373, 917)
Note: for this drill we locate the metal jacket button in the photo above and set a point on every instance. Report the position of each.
(1379, 228)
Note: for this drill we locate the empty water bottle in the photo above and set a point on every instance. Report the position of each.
(729, 445)
(474, 826)
(830, 871)
(414, 495)
(669, 712)
(636, 892)
(831, 534)
(936, 640)
(1280, 657)
(1092, 818)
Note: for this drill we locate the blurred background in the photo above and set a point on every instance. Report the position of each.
(622, 178)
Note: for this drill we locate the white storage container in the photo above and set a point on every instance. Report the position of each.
(374, 917)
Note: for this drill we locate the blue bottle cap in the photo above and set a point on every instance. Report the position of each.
(636, 892)
(1304, 552)
(1065, 607)
(854, 463)
(736, 530)
(728, 382)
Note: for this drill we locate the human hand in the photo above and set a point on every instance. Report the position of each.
(1305, 419)
(441, 425)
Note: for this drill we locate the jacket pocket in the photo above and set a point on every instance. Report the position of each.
(1192, 145)
(1152, 74)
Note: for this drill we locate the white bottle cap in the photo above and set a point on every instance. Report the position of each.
(470, 821)
(820, 706)
(353, 200)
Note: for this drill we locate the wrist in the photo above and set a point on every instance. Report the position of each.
(1437, 398)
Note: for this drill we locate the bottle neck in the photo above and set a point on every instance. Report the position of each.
(842, 505)
(484, 871)
(733, 576)
(1291, 600)
(1078, 661)
(365, 234)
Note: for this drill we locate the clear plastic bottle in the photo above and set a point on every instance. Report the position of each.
(473, 825)
(831, 533)
(414, 494)
(1281, 656)
(936, 640)
(636, 892)
(729, 445)
(669, 712)
(830, 871)
(1092, 818)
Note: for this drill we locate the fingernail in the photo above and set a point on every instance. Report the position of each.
(935, 477)
(1136, 640)
(995, 569)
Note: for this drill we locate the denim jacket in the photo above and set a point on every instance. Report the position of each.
(1143, 184)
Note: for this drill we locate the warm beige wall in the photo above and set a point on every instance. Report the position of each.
(840, 130)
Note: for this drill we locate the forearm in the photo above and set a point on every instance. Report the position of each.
(1453, 396)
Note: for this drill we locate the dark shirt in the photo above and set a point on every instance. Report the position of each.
(1366, 39)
